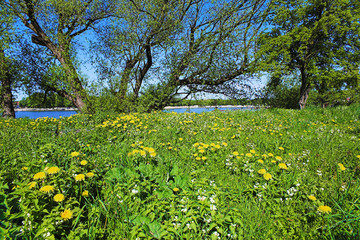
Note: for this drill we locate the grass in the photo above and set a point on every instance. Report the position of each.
(266, 174)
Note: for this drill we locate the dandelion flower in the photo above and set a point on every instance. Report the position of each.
(283, 166)
(59, 197)
(267, 176)
(24, 168)
(281, 148)
(32, 185)
(235, 153)
(75, 154)
(324, 209)
(252, 151)
(312, 197)
(39, 175)
(142, 153)
(175, 189)
(53, 170)
(90, 174)
(83, 162)
(85, 193)
(203, 158)
(358, 156)
(270, 154)
(261, 161)
(66, 215)
(47, 188)
(342, 167)
(262, 171)
(79, 177)
(278, 158)
(248, 155)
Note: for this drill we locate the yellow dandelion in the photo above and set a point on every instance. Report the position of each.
(262, 171)
(32, 185)
(85, 193)
(324, 209)
(358, 156)
(283, 166)
(176, 189)
(180, 139)
(59, 197)
(252, 151)
(24, 168)
(342, 167)
(267, 176)
(66, 215)
(83, 162)
(47, 188)
(75, 154)
(198, 158)
(39, 175)
(261, 161)
(90, 174)
(203, 158)
(248, 155)
(235, 153)
(312, 197)
(152, 154)
(217, 146)
(278, 158)
(201, 151)
(270, 154)
(142, 153)
(79, 177)
(281, 148)
(225, 144)
(53, 170)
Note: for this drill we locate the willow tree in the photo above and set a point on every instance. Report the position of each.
(54, 25)
(174, 44)
(6, 79)
(316, 40)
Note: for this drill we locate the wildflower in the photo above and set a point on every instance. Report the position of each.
(213, 207)
(32, 185)
(39, 175)
(312, 197)
(358, 156)
(85, 193)
(278, 158)
(47, 188)
(180, 139)
(262, 171)
(270, 154)
(261, 161)
(175, 189)
(59, 197)
(53, 170)
(281, 148)
(267, 176)
(90, 174)
(83, 162)
(201, 151)
(79, 177)
(283, 166)
(75, 154)
(203, 158)
(66, 215)
(142, 153)
(252, 151)
(235, 153)
(225, 144)
(24, 168)
(342, 168)
(324, 209)
(249, 155)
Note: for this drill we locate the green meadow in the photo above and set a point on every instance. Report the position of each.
(265, 174)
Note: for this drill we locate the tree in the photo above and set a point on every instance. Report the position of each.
(54, 25)
(179, 47)
(6, 80)
(318, 40)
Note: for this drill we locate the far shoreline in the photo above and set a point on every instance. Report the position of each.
(166, 108)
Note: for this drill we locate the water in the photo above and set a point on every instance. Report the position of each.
(40, 114)
(57, 114)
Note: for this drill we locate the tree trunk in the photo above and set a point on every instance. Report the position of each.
(125, 78)
(304, 89)
(6, 94)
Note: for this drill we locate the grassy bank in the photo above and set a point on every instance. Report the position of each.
(266, 174)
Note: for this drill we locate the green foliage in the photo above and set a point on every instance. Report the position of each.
(229, 175)
(45, 100)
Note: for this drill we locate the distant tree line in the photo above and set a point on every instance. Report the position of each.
(152, 53)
